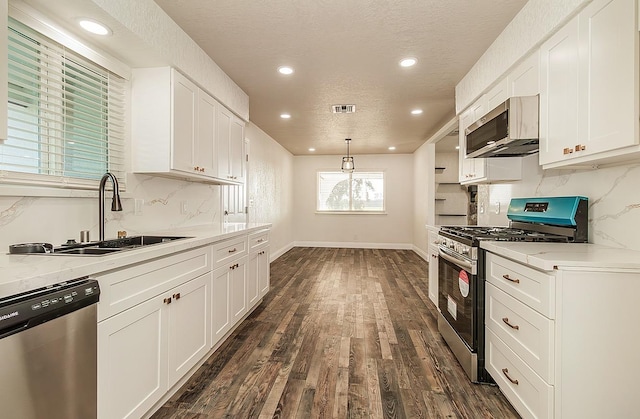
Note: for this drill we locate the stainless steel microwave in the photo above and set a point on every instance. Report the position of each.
(508, 130)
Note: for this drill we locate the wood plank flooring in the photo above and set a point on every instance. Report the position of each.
(342, 333)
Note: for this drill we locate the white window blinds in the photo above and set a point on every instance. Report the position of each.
(65, 115)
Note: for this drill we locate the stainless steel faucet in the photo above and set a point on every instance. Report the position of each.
(115, 203)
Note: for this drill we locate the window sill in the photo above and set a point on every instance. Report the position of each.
(352, 212)
(50, 192)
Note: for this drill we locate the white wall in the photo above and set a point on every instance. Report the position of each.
(614, 199)
(391, 230)
(270, 187)
(423, 191)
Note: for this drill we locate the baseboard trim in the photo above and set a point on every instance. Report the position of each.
(355, 245)
(424, 255)
(275, 255)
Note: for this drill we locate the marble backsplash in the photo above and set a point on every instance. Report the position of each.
(167, 203)
(613, 192)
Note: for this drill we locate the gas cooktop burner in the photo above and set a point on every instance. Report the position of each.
(501, 234)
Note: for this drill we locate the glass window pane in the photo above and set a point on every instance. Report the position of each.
(358, 191)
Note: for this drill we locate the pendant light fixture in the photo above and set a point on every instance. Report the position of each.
(347, 162)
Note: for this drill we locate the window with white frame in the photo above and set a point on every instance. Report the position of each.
(350, 192)
(65, 115)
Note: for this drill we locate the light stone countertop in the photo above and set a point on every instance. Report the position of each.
(19, 273)
(569, 256)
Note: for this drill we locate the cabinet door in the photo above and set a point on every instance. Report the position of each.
(204, 150)
(220, 311)
(608, 64)
(132, 360)
(189, 325)
(237, 154)
(224, 120)
(559, 94)
(238, 290)
(4, 94)
(264, 272)
(433, 274)
(253, 291)
(498, 94)
(185, 96)
(524, 80)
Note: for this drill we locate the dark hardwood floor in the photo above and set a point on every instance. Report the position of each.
(342, 333)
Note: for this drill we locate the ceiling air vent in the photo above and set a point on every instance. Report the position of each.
(344, 108)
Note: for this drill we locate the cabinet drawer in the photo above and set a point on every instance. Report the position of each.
(229, 250)
(258, 239)
(528, 333)
(527, 392)
(127, 287)
(534, 288)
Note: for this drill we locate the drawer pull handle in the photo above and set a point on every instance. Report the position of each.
(508, 278)
(167, 300)
(506, 374)
(233, 250)
(176, 296)
(506, 320)
(259, 240)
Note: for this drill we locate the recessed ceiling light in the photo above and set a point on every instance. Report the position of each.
(285, 70)
(392, 148)
(312, 149)
(408, 62)
(285, 116)
(94, 27)
(416, 112)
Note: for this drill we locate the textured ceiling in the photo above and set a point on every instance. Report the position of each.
(346, 52)
(343, 52)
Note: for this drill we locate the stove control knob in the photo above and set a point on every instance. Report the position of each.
(465, 251)
(451, 244)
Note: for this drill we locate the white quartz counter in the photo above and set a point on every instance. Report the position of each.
(549, 256)
(20, 273)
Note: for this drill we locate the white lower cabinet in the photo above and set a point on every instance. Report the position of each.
(433, 274)
(158, 320)
(563, 343)
(238, 290)
(132, 355)
(146, 349)
(220, 308)
(189, 325)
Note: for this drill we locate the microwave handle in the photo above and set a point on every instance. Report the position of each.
(463, 264)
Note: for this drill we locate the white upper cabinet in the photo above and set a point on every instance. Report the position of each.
(176, 128)
(496, 95)
(589, 98)
(185, 98)
(524, 80)
(230, 143)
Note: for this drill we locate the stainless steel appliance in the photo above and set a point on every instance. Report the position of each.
(48, 352)
(508, 130)
(461, 270)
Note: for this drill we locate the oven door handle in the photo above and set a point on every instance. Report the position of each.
(468, 266)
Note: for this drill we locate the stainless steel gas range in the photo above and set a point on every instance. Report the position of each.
(461, 271)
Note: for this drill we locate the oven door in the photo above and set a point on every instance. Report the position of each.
(457, 290)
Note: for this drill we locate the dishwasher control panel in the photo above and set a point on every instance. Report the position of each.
(27, 309)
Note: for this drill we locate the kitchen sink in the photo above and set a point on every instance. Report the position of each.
(84, 251)
(107, 247)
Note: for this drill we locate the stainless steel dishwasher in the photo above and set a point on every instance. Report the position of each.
(48, 352)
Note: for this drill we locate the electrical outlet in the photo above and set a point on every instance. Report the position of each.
(183, 207)
(138, 204)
